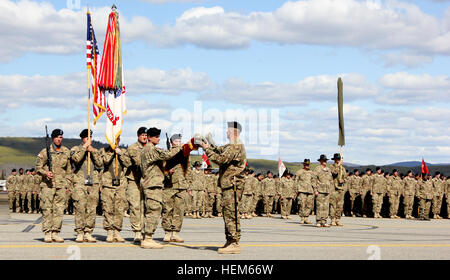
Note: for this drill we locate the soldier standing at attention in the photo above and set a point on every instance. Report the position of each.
(27, 190)
(355, 190)
(322, 180)
(11, 188)
(197, 188)
(210, 192)
(231, 159)
(20, 195)
(269, 190)
(425, 196)
(85, 187)
(54, 185)
(447, 196)
(337, 195)
(152, 182)
(304, 183)
(367, 183)
(409, 191)
(36, 190)
(247, 195)
(174, 193)
(287, 194)
(134, 192)
(114, 185)
(438, 190)
(394, 191)
(377, 192)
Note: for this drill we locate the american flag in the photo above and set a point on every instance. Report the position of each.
(99, 104)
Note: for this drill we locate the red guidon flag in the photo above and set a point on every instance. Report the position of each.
(424, 168)
(205, 161)
(281, 167)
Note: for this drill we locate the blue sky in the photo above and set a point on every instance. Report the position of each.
(244, 55)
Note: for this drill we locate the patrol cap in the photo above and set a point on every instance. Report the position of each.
(322, 158)
(336, 157)
(84, 133)
(306, 161)
(235, 125)
(57, 132)
(142, 130)
(152, 132)
(175, 137)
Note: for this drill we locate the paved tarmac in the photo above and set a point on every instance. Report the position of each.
(21, 238)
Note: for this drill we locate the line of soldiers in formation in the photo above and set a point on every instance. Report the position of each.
(152, 183)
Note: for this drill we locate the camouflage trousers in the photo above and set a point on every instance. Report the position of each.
(437, 204)
(219, 202)
(306, 204)
(246, 204)
(135, 197)
(53, 201)
(424, 208)
(322, 207)
(173, 209)
(229, 217)
(17, 197)
(268, 203)
(337, 203)
(189, 202)
(35, 205)
(209, 199)
(85, 201)
(353, 197)
(408, 203)
(113, 203)
(364, 206)
(198, 197)
(68, 196)
(286, 206)
(394, 201)
(377, 201)
(11, 197)
(153, 207)
(26, 196)
(256, 199)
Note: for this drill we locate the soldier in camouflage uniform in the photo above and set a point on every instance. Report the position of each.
(367, 184)
(231, 159)
(114, 186)
(247, 195)
(197, 188)
(447, 196)
(20, 199)
(287, 194)
(53, 186)
(269, 191)
(210, 192)
(337, 195)
(134, 192)
(355, 190)
(304, 183)
(36, 190)
(438, 190)
(377, 192)
(174, 193)
(152, 182)
(218, 195)
(258, 193)
(11, 188)
(27, 191)
(190, 191)
(409, 191)
(394, 191)
(322, 180)
(84, 158)
(425, 195)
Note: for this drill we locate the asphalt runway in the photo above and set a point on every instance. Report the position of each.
(263, 238)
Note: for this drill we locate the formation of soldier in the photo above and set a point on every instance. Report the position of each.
(155, 184)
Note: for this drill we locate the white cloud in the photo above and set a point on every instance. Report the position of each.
(171, 1)
(407, 59)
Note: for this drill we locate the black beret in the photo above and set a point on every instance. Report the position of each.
(378, 168)
(437, 173)
(269, 172)
(197, 163)
(395, 170)
(142, 130)
(32, 170)
(235, 125)
(21, 169)
(84, 133)
(368, 169)
(175, 137)
(355, 170)
(251, 171)
(14, 170)
(153, 132)
(350, 174)
(409, 171)
(57, 132)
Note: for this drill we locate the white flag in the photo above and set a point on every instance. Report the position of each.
(116, 109)
(281, 167)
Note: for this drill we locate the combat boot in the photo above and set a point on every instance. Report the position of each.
(48, 237)
(333, 222)
(176, 238)
(210, 215)
(167, 236)
(80, 238)
(325, 225)
(233, 248)
(137, 237)
(307, 221)
(117, 237)
(110, 236)
(302, 221)
(219, 215)
(289, 217)
(89, 238)
(149, 243)
(204, 215)
(338, 223)
(254, 214)
(56, 238)
(318, 224)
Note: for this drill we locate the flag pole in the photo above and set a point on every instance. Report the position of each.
(89, 110)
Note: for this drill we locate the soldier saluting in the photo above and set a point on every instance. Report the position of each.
(231, 159)
(54, 182)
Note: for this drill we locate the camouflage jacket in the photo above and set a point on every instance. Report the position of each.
(210, 185)
(425, 190)
(180, 178)
(409, 186)
(198, 180)
(20, 184)
(367, 182)
(62, 169)
(303, 180)
(231, 159)
(338, 172)
(29, 183)
(11, 183)
(248, 185)
(396, 186)
(322, 180)
(152, 164)
(379, 184)
(287, 188)
(111, 166)
(438, 187)
(37, 183)
(79, 161)
(355, 184)
(269, 187)
(133, 164)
